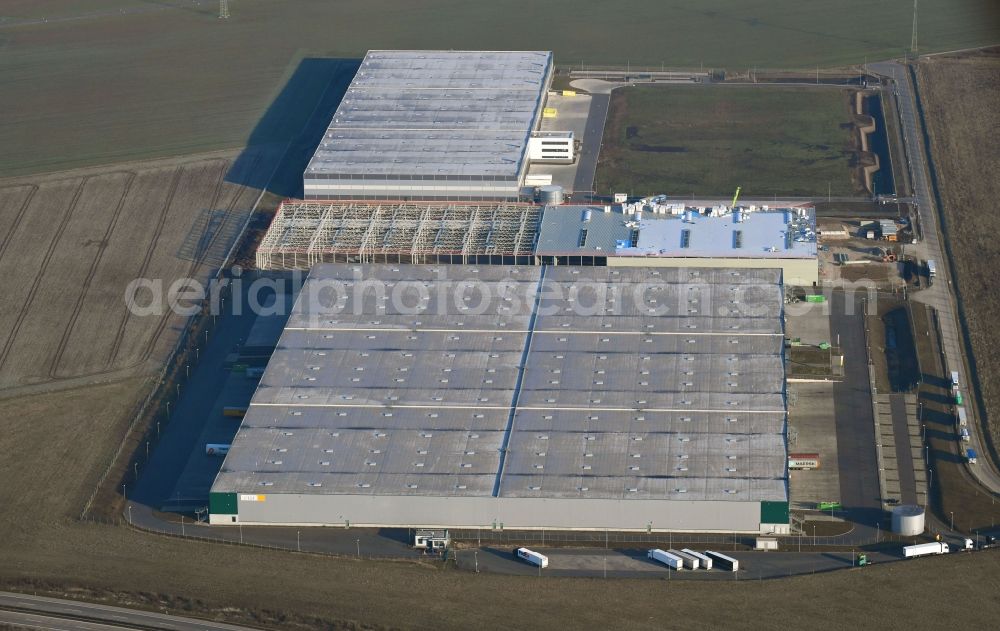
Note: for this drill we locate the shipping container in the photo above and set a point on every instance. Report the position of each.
(803, 461)
(722, 561)
(667, 558)
(704, 559)
(234, 411)
(531, 557)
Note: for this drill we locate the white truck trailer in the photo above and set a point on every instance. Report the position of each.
(690, 562)
(705, 560)
(668, 559)
(531, 557)
(722, 561)
(923, 549)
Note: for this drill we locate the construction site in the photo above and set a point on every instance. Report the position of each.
(304, 233)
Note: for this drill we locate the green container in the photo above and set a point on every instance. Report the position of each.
(815, 298)
(829, 506)
(239, 367)
(958, 398)
(825, 346)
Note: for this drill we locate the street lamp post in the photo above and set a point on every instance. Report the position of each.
(358, 541)
(952, 513)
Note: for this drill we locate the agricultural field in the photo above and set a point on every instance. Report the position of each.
(71, 242)
(962, 114)
(699, 140)
(116, 80)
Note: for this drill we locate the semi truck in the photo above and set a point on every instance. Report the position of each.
(954, 380)
(668, 559)
(690, 562)
(931, 268)
(923, 549)
(970, 456)
(704, 559)
(965, 434)
(722, 561)
(963, 418)
(531, 557)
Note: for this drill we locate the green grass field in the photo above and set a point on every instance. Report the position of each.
(695, 140)
(94, 85)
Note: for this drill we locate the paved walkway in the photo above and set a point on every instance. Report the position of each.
(939, 295)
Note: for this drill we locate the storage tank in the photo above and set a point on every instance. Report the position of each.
(551, 194)
(908, 520)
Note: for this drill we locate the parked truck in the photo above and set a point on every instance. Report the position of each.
(965, 434)
(954, 380)
(531, 557)
(963, 417)
(923, 549)
(931, 268)
(666, 558)
(970, 456)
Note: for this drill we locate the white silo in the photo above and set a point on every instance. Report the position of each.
(908, 520)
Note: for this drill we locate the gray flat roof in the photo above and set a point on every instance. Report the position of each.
(774, 233)
(411, 114)
(411, 380)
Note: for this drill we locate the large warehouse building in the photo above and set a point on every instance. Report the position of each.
(433, 125)
(520, 397)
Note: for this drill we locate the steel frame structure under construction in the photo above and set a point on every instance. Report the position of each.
(304, 233)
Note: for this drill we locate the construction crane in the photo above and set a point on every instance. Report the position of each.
(735, 197)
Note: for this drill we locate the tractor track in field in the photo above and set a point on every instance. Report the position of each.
(17, 218)
(40, 274)
(81, 297)
(161, 221)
